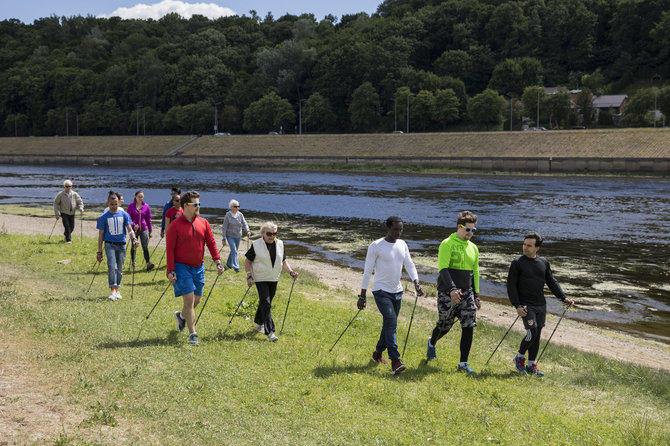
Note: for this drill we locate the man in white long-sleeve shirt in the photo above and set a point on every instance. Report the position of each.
(385, 258)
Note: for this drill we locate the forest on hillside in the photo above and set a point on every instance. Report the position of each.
(454, 64)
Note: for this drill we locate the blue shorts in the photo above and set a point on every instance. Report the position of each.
(190, 279)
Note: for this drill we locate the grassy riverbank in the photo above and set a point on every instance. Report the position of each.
(614, 143)
(237, 388)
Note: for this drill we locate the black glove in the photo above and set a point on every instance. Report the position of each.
(417, 287)
(361, 302)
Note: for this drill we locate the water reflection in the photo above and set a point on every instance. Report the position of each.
(608, 239)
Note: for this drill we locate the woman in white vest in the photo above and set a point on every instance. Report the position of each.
(264, 270)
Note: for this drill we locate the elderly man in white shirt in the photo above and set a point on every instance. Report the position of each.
(386, 258)
(67, 202)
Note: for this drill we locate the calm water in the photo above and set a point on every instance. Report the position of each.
(608, 239)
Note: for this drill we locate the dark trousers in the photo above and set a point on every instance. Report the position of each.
(266, 292)
(144, 239)
(68, 224)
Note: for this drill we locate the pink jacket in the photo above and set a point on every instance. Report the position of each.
(135, 215)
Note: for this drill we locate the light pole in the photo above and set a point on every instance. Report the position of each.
(216, 117)
(395, 114)
(67, 122)
(537, 121)
(655, 78)
(300, 101)
(408, 95)
(137, 118)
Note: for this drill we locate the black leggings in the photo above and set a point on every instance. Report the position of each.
(68, 226)
(144, 239)
(531, 343)
(466, 340)
(266, 292)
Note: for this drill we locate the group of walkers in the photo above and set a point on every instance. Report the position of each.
(457, 291)
(187, 234)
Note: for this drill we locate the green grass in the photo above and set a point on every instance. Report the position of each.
(237, 388)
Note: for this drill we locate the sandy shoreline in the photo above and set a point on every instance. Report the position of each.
(608, 343)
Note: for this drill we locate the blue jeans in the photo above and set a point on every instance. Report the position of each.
(116, 255)
(389, 306)
(234, 243)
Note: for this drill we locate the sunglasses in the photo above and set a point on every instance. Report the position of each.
(273, 234)
(197, 205)
(68, 187)
(233, 206)
(468, 229)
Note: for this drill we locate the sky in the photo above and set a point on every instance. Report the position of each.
(29, 10)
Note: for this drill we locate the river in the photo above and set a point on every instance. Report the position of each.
(607, 238)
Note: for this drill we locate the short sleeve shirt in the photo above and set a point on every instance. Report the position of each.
(114, 226)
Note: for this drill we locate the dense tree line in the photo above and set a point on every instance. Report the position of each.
(466, 64)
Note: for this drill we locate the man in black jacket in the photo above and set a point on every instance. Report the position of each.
(525, 289)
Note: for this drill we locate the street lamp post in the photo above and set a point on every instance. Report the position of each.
(408, 95)
(67, 123)
(216, 117)
(137, 119)
(300, 101)
(395, 114)
(537, 120)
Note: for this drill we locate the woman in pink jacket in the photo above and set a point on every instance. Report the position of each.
(140, 214)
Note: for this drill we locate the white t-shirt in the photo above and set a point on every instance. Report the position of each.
(386, 260)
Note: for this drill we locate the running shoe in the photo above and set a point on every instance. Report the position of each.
(150, 266)
(397, 366)
(520, 363)
(112, 296)
(272, 337)
(377, 357)
(260, 328)
(193, 339)
(431, 353)
(118, 294)
(466, 368)
(68, 242)
(532, 370)
(181, 322)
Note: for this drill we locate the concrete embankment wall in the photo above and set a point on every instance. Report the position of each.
(655, 166)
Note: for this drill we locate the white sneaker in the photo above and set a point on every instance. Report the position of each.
(272, 337)
(112, 296)
(118, 294)
(69, 243)
(260, 328)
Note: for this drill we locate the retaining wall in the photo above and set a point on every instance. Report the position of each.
(656, 166)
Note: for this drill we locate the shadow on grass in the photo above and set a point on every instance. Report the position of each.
(221, 335)
(410, 373)
(171, 339)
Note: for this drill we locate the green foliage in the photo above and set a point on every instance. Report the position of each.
(364, 108)
(532, 98)
(317, 113)
(100, 70)
(486, 108)
(269, 113)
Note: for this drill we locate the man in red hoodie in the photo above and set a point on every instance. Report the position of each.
(185, 246)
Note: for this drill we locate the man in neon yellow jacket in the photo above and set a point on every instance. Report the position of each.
(458, 288)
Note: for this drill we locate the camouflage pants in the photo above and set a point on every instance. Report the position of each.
(465, 311)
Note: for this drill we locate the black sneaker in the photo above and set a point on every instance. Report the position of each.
(181, 322)
(150, 266)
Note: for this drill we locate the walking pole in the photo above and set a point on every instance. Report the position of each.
(81, 229)
(287, 304)
(132, 286)
(52, 230)
(159, 265)
(206, 300)
(503, 338)
(338, 339)
(238, 307)
(156, 247)
(152, 310)
(552, 334)
(410, 325)
(96, 272)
